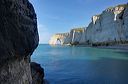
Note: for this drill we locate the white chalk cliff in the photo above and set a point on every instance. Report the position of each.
(76, 35)
(109, 26)
(60, 37)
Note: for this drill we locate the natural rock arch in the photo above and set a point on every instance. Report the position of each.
(58, 40)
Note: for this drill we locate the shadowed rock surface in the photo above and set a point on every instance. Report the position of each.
(18, 40)
(37, 73)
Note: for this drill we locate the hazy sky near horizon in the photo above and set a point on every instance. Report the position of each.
(58, 16)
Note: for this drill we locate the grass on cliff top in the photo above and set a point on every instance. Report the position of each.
(61, 33)
(112, 8)
(122, 5)
(78, 29)
(98, 15)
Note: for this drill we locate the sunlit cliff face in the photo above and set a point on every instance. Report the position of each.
(95, 18)
(117, 11)
(75, 35)
(58, 38)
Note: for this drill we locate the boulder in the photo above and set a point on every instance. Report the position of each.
(37, 73)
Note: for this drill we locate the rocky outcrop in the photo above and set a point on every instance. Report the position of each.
(18, 39)
(60, 37)
(108, 28)
(37, 73)
(76, 36)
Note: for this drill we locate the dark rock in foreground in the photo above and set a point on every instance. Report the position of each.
(37, 73)
(18, 40)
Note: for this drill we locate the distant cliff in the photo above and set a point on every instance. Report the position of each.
(74, 37)
(60, 37)
(77, 36)
(109, 27)
(18, 39)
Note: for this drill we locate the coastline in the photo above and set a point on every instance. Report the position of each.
(115, 46)
(123, 47)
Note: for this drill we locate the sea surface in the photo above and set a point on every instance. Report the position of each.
(82, 65)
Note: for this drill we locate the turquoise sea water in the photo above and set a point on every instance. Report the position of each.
(82, 65)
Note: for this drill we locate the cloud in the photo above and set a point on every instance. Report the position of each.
(44, 34)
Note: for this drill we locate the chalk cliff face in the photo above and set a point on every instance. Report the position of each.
(76, 35)
(111, 26)
(59, 38)
(18, 40)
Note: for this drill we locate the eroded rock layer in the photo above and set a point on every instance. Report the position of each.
(110, 26)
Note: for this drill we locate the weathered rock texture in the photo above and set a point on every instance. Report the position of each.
(37, 73)
(77, 35)
(18, 39)
(109, 27)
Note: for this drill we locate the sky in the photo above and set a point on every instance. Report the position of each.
(59, 16)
